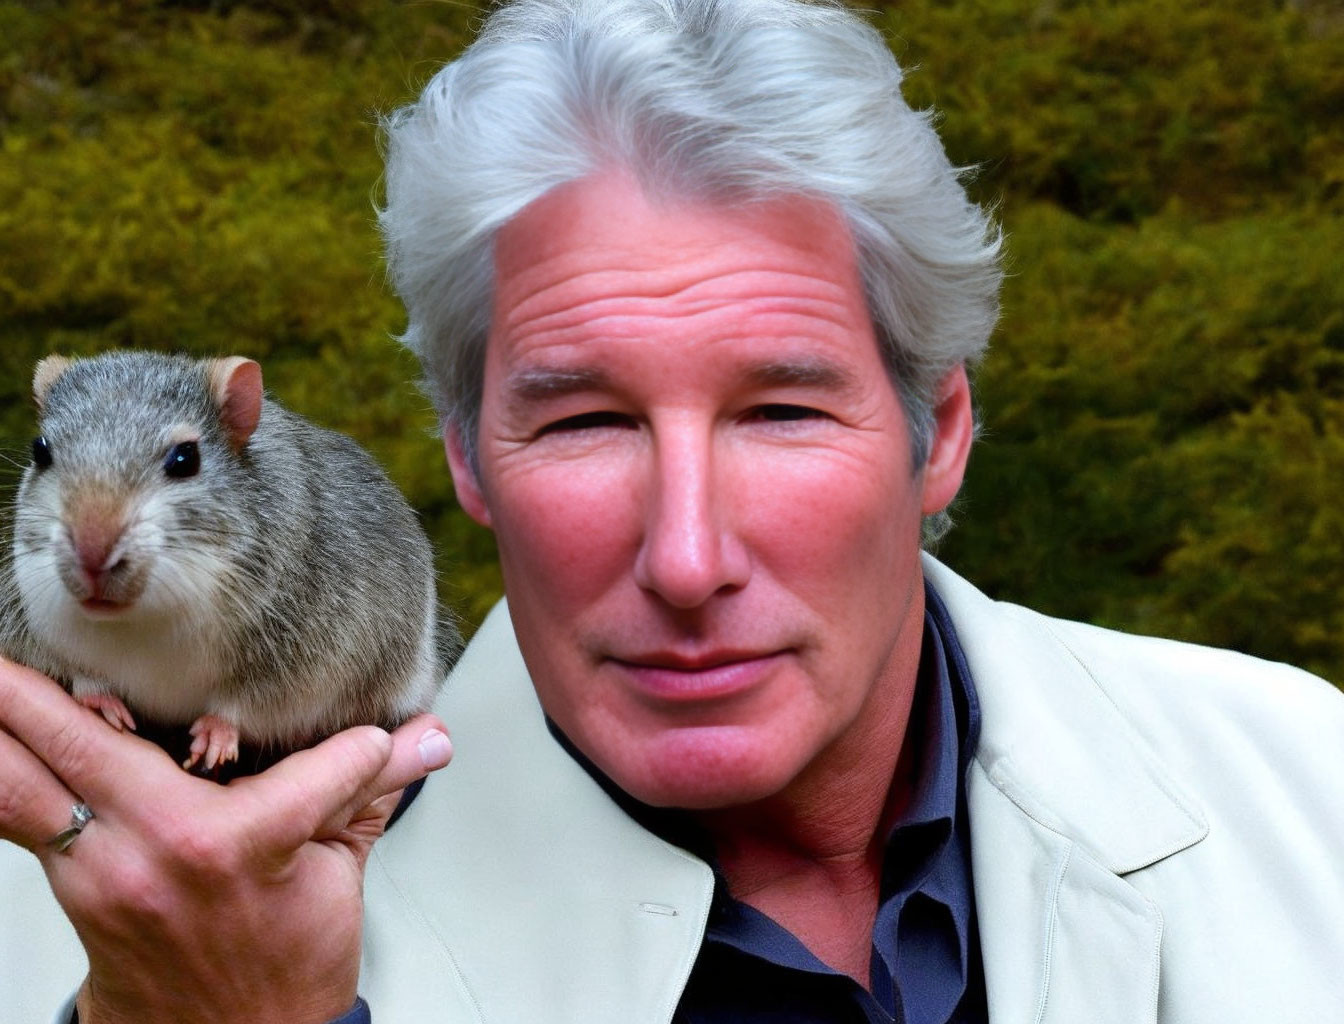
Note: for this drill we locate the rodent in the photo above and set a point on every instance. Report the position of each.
(186, 546)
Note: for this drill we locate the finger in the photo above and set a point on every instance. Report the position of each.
(315, 792)
(296, 795)
(419, 746)
(34, 803)
(74, 744)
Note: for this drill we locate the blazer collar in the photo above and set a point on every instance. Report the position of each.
(1056, 745)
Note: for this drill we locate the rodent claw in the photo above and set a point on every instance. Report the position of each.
(215, 742)
(112, 709)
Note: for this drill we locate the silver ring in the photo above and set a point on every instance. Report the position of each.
(80, 815)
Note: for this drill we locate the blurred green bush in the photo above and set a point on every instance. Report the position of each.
(1164, 400)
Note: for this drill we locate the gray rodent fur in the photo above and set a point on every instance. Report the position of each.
(284, 590)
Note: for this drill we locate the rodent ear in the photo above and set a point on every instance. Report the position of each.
(45, 376)
(236, 385)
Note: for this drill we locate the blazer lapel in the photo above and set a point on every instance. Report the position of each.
(1065, 800)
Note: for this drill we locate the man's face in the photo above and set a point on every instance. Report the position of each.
(699, 475)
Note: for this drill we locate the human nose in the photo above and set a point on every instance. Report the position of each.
(690, 550)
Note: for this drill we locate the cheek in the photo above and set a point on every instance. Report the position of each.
(563, 527)
(832, 528)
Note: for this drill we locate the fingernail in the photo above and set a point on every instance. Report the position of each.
(435, 749)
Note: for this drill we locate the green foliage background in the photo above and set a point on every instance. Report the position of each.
(1163, 403)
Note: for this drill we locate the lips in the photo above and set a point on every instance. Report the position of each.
(676, 679)
(103, 607)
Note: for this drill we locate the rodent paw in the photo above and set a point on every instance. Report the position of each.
(214, 742)
(117, 714)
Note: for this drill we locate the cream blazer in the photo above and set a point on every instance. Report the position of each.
(1157, 835)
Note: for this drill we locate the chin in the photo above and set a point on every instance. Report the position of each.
(705, 769)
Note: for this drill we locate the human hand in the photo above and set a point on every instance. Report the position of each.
(195, 901)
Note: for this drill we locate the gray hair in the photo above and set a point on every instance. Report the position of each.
(720, 100)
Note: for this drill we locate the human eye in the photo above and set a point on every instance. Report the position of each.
(786, 412)
(587, 421)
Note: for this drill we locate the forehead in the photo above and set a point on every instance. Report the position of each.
(600, 261)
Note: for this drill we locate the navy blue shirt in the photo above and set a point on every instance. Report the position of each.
(925, 966)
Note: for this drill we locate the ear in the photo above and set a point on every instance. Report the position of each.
(953, 432)
(45, 376)
(465, 482)
(235, 383)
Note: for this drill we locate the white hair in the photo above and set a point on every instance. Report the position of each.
(720, 100)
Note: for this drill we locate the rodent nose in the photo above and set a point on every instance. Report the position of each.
(94, 547)
(100, 567)
(93, 566)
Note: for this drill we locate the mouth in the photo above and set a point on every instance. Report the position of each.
(677, 679)
(103, 608)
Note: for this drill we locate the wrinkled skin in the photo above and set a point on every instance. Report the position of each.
(699, 474)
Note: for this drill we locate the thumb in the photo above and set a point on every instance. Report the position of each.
(315, 792)
(419, 746)
(299, 794)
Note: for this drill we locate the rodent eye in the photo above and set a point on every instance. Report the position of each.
(41, 453)
(183, 460)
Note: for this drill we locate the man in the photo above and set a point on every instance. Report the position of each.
(697, 293)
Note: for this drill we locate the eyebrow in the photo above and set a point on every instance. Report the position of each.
(543, 383)
(810, 372)
(539, 383)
